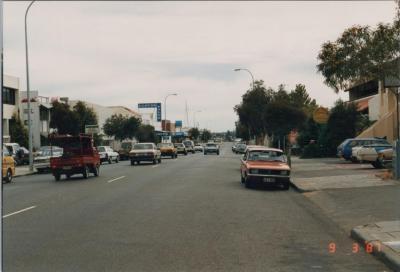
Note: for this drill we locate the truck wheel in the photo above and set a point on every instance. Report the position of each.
(96, 170)
(57, 176)
(85, 172)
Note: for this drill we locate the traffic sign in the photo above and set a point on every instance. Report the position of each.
(321, 115)
(152, 105)
(91, 129)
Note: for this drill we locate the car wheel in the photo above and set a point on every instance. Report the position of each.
(185, 153)
(8, 177)
(247, 183)
(217, 153)
(159, 160)
(241, 178)
(96, 170)
(57, 177)
(172, 156)
(109, 160)
(286, 186)
(132, 162)
(377, 164)
(116, 159)
(85, 172)
(68, 176)
(154, 161)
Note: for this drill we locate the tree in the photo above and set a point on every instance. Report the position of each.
(242, 131)
(121, 127)
(146, 133)
(63, 119)
(341, 124)
(299, 98)
(194, 133)
(359, 55)
(252, 108)
(85, 115)
(18, 133)
(206, 135)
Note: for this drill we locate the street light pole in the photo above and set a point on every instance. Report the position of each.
(194, 118)
(165, 109)
(252, 78)
(28, 95)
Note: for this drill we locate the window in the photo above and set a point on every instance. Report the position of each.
(8, 96)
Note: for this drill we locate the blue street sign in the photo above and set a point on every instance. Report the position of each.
(178, 123)
(152, 105)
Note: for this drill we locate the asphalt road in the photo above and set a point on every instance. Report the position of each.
(186, 214)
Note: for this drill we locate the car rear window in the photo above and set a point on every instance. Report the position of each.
(143, 146)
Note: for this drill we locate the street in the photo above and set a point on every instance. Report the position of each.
(185, 214)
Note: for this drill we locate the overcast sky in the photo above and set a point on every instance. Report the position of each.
(125, 53)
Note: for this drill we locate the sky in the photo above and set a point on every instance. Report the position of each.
(125, 53)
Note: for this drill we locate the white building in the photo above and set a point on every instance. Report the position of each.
(10, 103)
(40, 115)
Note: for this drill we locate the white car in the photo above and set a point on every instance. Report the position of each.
(107, 154)
(211, 148)
(354, 152)
(369, 153)
(198, 147)
(42, 161)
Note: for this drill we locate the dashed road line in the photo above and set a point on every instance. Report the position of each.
(20, 211)
(121, 177)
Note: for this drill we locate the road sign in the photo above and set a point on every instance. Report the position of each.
(91, 129)
(178, 123)
(321, 115)
(152, 105)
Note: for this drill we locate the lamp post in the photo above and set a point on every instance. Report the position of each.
(194, 118)
(28, 95)
(165, 109)
(252, 78)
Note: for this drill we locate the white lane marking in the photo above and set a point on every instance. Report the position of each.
(20, 211)
(121, 177)
(154, 166)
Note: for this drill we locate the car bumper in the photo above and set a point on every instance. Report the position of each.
(211, 150)
(167, 153)
(269, 179)
(143, 158)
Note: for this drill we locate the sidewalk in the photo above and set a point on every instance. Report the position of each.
(332, 173)
(23, 171)
(381, 239)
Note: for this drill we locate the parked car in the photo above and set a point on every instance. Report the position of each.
(198, 147)
(189, 146)
(42, 162)
(240, 148)
(13, 149)
(265, 165)
(180, 148)
(8, 167)
(211, 148)
(385, 157)
(107, 154)
(126, 147)
(344, 150)
(145, 152)
(168, 149)
(369, 153)
(79, 156)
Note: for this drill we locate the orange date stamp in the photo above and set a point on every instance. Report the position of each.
(357, 248)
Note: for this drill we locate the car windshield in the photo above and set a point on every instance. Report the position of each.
(143, 146)
(266, 155)
(165, 145)
(101, 149)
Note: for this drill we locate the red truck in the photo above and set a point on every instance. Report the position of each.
(79, 156)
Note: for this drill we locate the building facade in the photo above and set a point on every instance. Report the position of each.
(10, 103)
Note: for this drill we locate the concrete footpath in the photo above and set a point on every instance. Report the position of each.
(23, 171)
(332, 173)
(358, 200)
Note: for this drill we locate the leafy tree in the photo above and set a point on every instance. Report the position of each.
(194, 133)
(146, 133)
(242, 131)
(18, 133)
(86, 115)
(121, 127)
(63, 119)
(359, 55)
(299, 98)
(206, 135)
(341, 124)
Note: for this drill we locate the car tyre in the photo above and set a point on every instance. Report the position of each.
(116, 159)
(68, 176)
(242, 180)
(8, 177)
(57, 177)
(154, 161)
(159, 160)
(286, 186)
(132, 162)
(85, 172)
(96, 170)
(377, 164)
(247, 183)
(109, 160)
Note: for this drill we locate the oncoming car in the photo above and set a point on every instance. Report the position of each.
(168, 149)
(264, 165)
(211, 148)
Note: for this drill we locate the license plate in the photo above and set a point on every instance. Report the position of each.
(268, 179)
(67, 167)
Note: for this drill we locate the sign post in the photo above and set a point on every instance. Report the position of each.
(393, 83)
